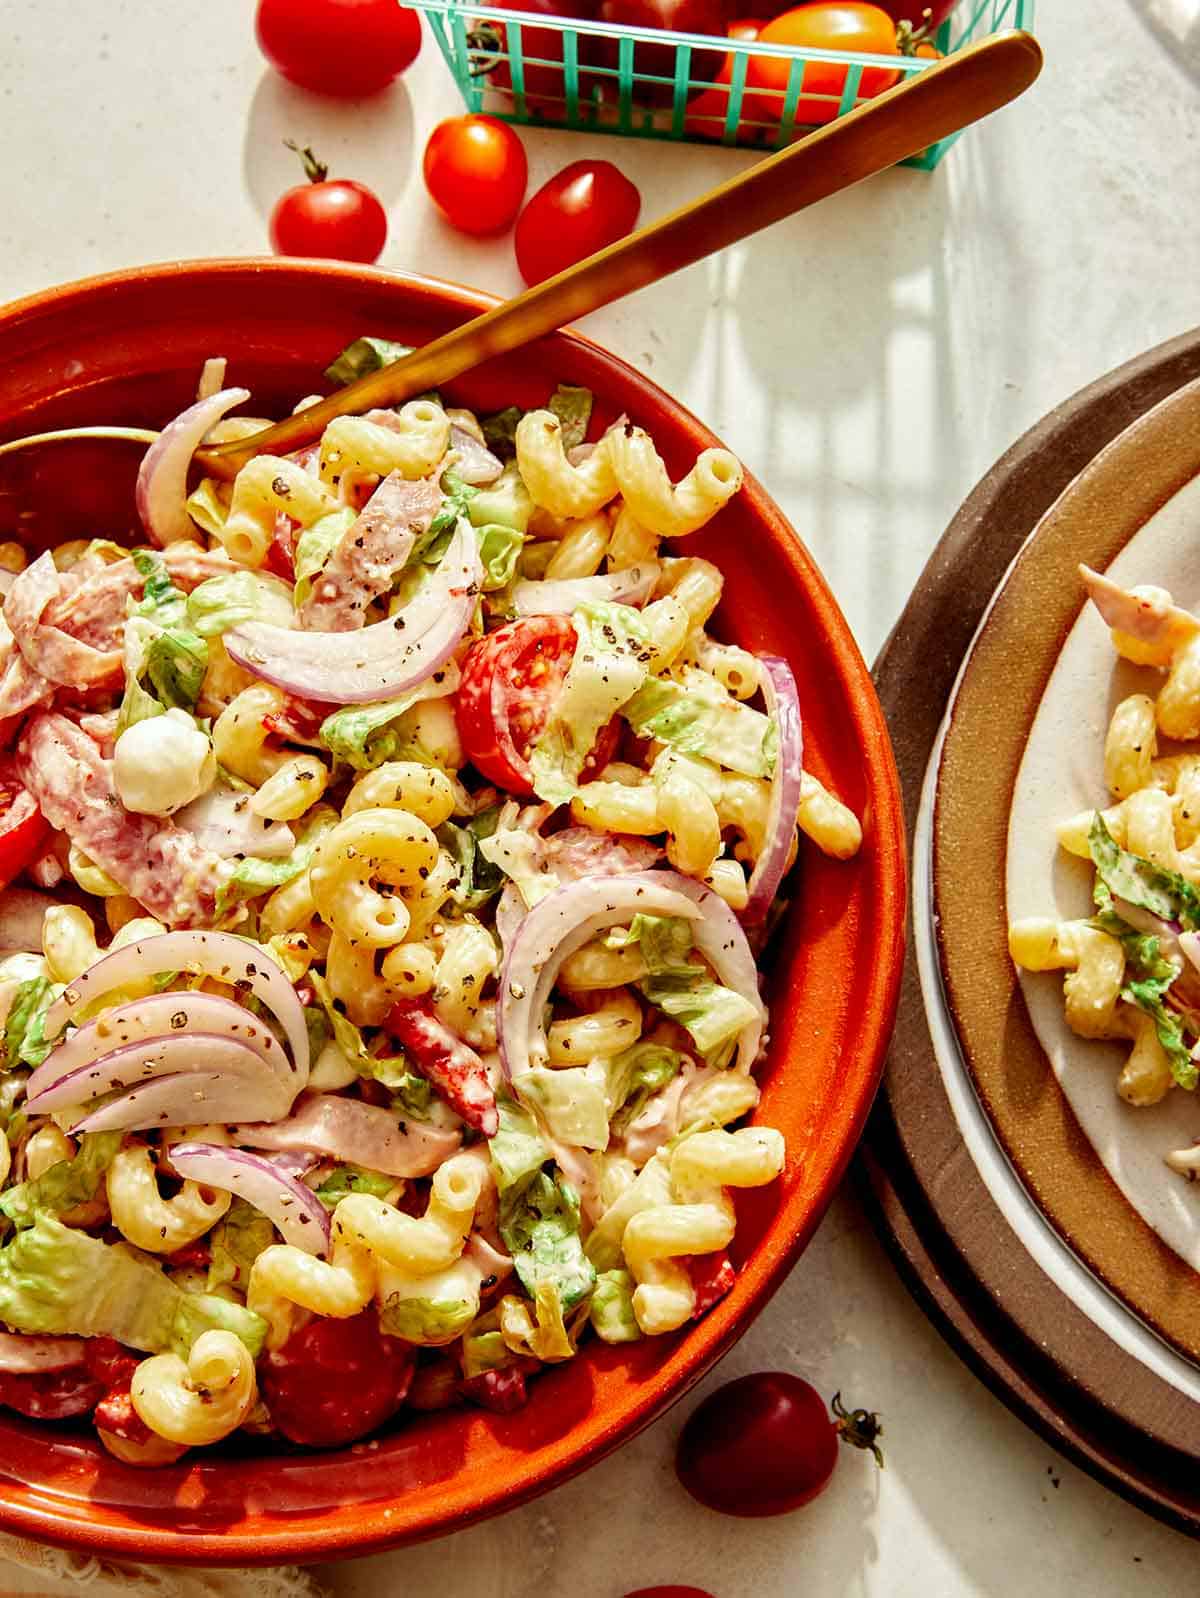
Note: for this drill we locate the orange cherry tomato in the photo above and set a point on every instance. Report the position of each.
(476, 172)
(845, 27)
(707, 112)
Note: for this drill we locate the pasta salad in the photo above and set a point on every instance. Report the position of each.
(380, 1000)
(1133, 968)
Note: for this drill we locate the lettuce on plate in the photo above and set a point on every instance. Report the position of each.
(60, 1281)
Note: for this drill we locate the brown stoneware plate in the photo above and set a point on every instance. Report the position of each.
(127, 349)
(1026, 1203)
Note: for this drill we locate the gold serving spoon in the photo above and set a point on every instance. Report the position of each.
(926, 107)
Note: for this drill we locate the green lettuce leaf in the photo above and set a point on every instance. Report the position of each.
(499, 547)
(236, 1242)
(393, 1071)
(504, 503)
(477, 880)
(365, 355)
(161, 601)
(315, 545)
(634, 1076)
(1142, 949)
(573, 407)
(219, 603)
(540, 1227)
(365, 736)
(175, 662)
(1148, 996)
(349, 1179)
(26, 1015)
(57, 1280)
(612, 1315)
(1164, 893)
(428, 1322)
(713, 1015)
(252, 876)
(572, 1101)
(207, 508)
(484, 1351)
(612, 650)
(517, 1151)
(500, 431)
(696, 716)
(664, 941)
(66, 1184)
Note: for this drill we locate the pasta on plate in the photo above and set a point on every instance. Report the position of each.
(397, 845)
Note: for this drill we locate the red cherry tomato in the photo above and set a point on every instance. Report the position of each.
(115, 1414)
(845, 27)
(23, 828)
(653, 60)
(764, 1444)
(476, 172)
(340, 47)
(109, 1362)
(541, 53)
(334, 218)
(707, 112)
(334, 1381)
(52, 1395)
(510, 682)
(582, 209)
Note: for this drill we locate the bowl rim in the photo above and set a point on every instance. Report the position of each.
(711, 1338)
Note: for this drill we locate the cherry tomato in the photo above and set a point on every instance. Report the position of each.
(334, 218)
(476, 172)
(341, 47)
(707, 112)
(116, 1415)
(669, 1592)
(109, 1362)
(582, 209)
(764, 1444)
(541, 53)
(501, 1391)
(52, 1395)
(510, 681)
(845, 26)
(712, 1276)
(23, 828)
(654, 60)
(334, 1381)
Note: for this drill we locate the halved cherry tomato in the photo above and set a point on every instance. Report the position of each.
(845, 27)
(475, 170)
(510, 682)
(707, 112)
(334, 1381)
(583, 208)
(23, 828)
(764, 1444)
(335, 219)
(339, 47)
(52, 1395)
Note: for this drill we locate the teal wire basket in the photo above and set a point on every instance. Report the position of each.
(599, 77)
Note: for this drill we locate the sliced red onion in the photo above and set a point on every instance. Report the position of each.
(25, 1355)
(357, 1134)
(244, 965)
(719, 937)
(783, 704)
(561, 923)
(475, 464)
(1149, 618)
(293, 1209)
(1146, 921)
(179, 1054)
(195, 1099)
(559, 597)
(297, 1162)
(142, 1021)
(510, 912)
(22, 912)
(380, 661)
(162, 476)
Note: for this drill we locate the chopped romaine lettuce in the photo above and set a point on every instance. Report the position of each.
(506, 502)
(484, 1350)
(219, 603)
(476, 880)
(365, 355)
(208, 506)
(161, 602)
(315, 545)
(634, 1075)
(1164, 893)
(236, 1242)
(573, 407)
(428, 1322)
(66, 1184)
(613, 647)
(365, 736)
(434, 541)
(664, 941)
(393, 1071)
(175, 662)
(518, 1150)
(499, 547)
(500, 431)
(571, 1101)
(60, 1281)
(612, 1314)
(349, 1179)
(712, 1014)
(1149, 995)
(696, 716)
(24, 1042)
(540, 1227)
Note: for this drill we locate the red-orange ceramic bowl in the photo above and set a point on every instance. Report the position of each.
(127, 349)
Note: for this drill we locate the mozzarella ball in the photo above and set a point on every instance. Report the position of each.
(162, 764)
